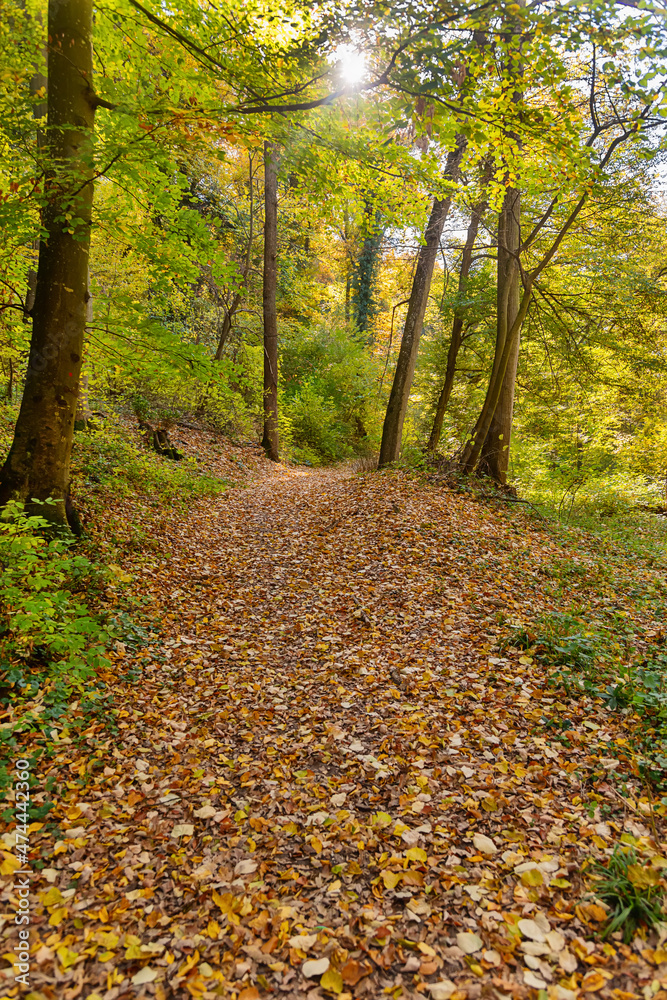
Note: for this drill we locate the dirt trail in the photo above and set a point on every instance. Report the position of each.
(327, 780)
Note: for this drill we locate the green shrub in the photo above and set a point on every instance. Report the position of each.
(328, 394)
(48, 632)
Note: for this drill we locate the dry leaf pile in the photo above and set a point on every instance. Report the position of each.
(328, 781)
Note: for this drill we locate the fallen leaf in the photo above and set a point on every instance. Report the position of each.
(302, 941)
(332, 980)
(469, 943)
(183, 830)
(593, 981)
(145, 975)
(441, 990)
(484, 844)
(315, 967)
(531, 929)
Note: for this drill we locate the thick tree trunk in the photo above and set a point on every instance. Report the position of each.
(397, 406)
(457, 327)
(494, 458)
(270, 439)
(37, 467)
(472, 450)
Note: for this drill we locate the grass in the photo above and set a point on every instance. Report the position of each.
(632, 891)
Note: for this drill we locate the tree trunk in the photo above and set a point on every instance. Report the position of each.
(490, 439)
(392, 430)
(227, 326)
(494, 458)
(38, 86)
(473, 448)
(364, 275)
(245, 273)
(270, 439)
(37, 467)
(457, 327)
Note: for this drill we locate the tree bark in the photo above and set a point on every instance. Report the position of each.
(494, 457)
(37, 467)
(397, 406)
(457, 327)
(473, 448)
(270, 441)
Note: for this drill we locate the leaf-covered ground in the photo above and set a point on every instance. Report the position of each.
(328, 780)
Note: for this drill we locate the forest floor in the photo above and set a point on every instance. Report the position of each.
(329, 780)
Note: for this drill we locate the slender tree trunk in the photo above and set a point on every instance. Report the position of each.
(392, 430)
(494, 458)
(38, 86)
(227, 326)
(270, 439)
(457, 327)
(38, 463)
(245, 273)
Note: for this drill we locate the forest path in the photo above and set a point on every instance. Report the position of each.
(327, 763)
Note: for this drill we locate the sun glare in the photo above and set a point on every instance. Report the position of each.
(351, 65)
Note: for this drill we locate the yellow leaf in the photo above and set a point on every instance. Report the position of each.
(57, 916)
(10, 863)
(52, 896)
(316, 844)
(533, 877)
(643, 878)
(489, 804)
(332, 980)
(416, 854)
(391, 879)
(381, 819)
(66, 956)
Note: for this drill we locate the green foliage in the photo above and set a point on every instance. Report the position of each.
(559, 639)
(633, 891)
(50, 635)
(329, 394)
(108, 457)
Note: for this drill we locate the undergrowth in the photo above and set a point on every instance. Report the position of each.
(590, 658)
(57, 627)
(107, 457)
(632, 891)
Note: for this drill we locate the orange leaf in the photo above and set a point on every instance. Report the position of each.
(353, 971)
(592, 982)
